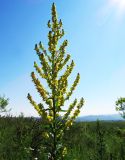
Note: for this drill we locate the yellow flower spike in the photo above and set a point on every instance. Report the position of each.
(39, 87)
(39, 70)
(51, 65)
(64, 151)
(34, 104)
(73, 87)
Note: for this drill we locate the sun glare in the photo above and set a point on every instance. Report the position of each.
(119, 5)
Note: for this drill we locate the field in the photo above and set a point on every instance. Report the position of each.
(20, 139)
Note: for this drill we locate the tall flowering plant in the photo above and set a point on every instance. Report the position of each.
(52, 65)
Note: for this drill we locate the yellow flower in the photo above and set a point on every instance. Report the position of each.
(68, 123)
(45, 135)
(64, 151)
(49, 118)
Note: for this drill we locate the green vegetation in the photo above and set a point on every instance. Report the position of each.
(3, 104)
(53, 100)
(120, 106)
(20, 139)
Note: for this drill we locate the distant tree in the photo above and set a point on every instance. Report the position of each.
(58, 91)
(120, 106)
(3, 104)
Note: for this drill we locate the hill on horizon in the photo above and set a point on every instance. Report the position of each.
(107, 117)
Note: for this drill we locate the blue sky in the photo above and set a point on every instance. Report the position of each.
(96, 34)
